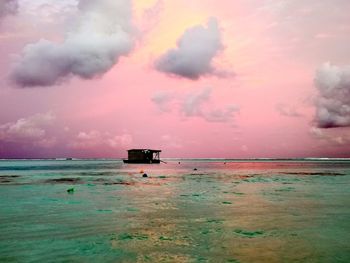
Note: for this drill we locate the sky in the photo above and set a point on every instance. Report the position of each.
(196, 79)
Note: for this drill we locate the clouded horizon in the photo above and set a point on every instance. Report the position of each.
(235, 79)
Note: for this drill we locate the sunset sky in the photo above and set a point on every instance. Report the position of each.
(198, 78)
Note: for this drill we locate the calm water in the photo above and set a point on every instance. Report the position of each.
(234, 212)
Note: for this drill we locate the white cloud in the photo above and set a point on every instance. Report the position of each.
(32, 127)
(244, 148)
(329, 138)
(333, 102)
(124, 140)
(171, 142)
(195, 51)
(195, 104)
(102, 34)
(32, 130)
(287, 110)
(192, 105)
(198, 105)
(91, 139)
(221, 115)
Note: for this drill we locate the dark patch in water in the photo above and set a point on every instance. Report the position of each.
(4, 179)
(232, 260)
(124, 183)
(96, 173)
(128, 237)
(110, 182)
(257, 180)
(72, 165)
(64, 180)
(245, 176)
(285, 189)
(205, 231)
(215, 221)
(164, 238)
(249, 234)
(9, 176)
(316, 173)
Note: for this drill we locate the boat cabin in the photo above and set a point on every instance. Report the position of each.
(143, 156)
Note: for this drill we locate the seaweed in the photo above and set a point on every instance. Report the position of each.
(285, 189)
(64, 180)
(248, 234)
(128, 237)
(215, 221)
(315, 173)
(164, 238)
(7, 178)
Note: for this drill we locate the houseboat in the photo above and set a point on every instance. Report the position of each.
(143, 156)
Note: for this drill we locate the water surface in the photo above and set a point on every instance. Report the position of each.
(222, 211)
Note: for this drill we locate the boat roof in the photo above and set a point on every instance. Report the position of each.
(141, 150)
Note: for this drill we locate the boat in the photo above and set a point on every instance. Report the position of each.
(143, 156)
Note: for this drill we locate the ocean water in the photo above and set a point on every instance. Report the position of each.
(222, 211)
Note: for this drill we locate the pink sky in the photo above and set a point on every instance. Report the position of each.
(201, 78)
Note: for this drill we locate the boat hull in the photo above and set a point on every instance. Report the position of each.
(144, 162)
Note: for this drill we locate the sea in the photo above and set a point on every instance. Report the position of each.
(184, 210)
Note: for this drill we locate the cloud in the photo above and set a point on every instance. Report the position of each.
(332, 139)
(333, 102)
(192, 105)
(150, 16)
(8, 7)
(244, 148)
(162, 99)
(93, 139)
(221, 115)
(101, 35)
(195, 104)
(195, 51)
(28, 130)
(169, 141)
(287, 110)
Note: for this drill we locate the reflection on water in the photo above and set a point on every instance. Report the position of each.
(222, 212)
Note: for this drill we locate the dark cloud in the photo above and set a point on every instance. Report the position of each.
(102, 34)
(333, 102)
(194, 53)
(8, 7)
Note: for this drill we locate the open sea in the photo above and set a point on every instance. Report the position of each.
(184, 211)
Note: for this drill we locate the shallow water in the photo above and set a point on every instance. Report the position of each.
(286, 211)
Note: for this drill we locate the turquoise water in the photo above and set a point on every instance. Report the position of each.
(225, 211)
